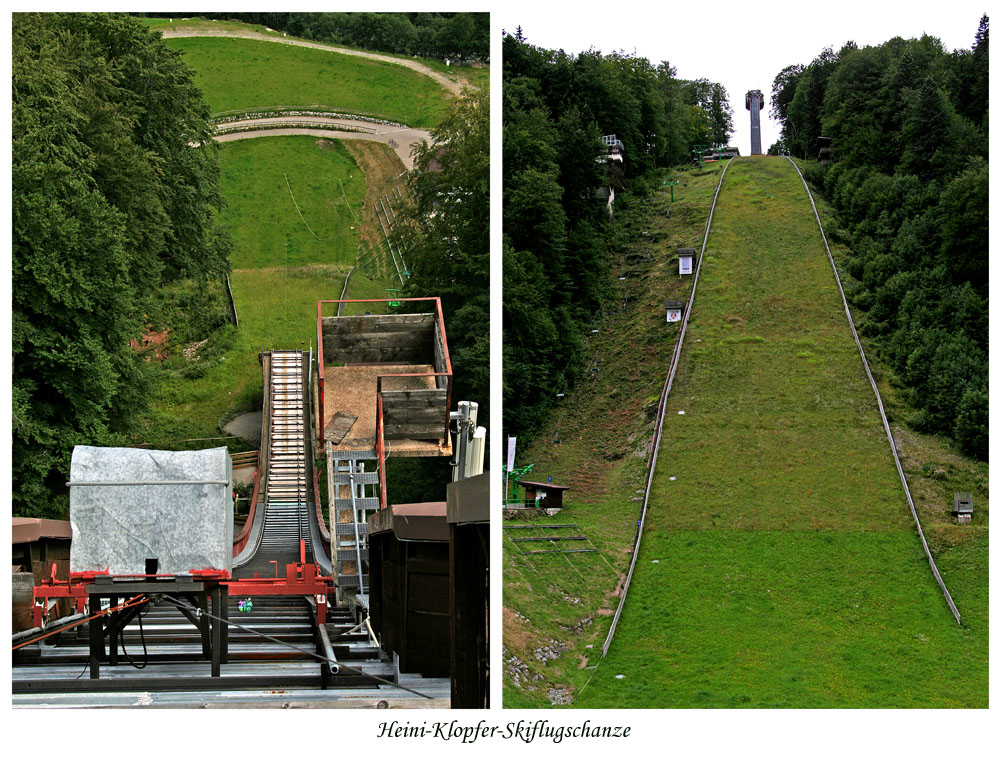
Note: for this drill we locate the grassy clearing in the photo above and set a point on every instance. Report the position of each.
(322, 180)
(383, 170)
(755, 618)
(604, 429)
(789, 571)
(280, 271)
(274, 75)
(204, 24)
(277, 308)
(478, 76)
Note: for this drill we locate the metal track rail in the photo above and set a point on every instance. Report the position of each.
(288, 508)
(658, 434)
(881, 407)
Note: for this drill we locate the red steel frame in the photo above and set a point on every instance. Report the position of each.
(301, 579)
(379, 430)
(240, 539)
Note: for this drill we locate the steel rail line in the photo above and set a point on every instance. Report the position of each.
(343, 293)
(658, 434)
(878, 399)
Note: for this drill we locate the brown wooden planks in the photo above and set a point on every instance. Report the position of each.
(376, 341)
(378, 323)
(414, 398)
(416, 418)
(337, 428)
(414, 431)
(403, 338)
(413, 354)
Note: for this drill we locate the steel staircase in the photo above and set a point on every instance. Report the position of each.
(353, 479)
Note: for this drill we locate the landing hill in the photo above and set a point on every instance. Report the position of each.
(779, 565)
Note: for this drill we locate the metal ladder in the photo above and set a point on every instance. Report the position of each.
(352, 499)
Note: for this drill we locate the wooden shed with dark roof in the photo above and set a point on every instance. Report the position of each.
(541, 494)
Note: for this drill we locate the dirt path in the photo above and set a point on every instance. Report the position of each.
(452, 86)
(398, 138)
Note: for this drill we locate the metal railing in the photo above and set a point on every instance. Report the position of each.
(881, 408)
(651, 465)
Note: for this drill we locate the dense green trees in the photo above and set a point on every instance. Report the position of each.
(447, 240)
(448, 248)
(557, 236)
(110, 199)
(910, 183)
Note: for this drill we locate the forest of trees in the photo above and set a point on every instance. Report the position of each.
(908, 124)
(109, 202)
(448, 250)
(463, 36)
(557, 237)
(446, 235)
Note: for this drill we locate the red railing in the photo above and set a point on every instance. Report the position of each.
(240, 540)
(380, 448)
(319, 339)
(319, 353)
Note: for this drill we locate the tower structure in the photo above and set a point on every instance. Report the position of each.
(755, 103)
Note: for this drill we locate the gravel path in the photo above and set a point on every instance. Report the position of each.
(449, 84)
(399, 138)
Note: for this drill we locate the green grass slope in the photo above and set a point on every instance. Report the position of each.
(557, 608)
(788, 572)
(276, 75)
(279, 272)
(269, 181)
(477, 75)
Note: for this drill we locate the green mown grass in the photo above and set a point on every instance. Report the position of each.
(279, 272)
(790, 618)
(260, 212)
(604, 431)
(274, 75)
(479, 76)
(277, 309)
(203, 24)
(790, 573)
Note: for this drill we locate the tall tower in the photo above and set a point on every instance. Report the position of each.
(755, 103)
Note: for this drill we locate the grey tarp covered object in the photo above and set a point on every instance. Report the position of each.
(185, 526)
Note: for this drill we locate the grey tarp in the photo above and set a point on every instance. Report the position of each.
(185, 526)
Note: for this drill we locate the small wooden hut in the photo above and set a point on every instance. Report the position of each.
(541, 494)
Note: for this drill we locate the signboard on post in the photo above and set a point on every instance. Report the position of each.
(511, 444)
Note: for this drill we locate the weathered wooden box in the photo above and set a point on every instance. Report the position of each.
(392, 372)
